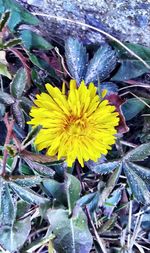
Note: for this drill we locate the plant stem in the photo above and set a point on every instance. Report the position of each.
(9, 126)
(99, 240)
(78, 168)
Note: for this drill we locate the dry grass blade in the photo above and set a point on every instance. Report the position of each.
(95, 29)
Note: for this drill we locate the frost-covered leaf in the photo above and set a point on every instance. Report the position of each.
(84, 200)
(7, 207)
(110, 87)
(104, 168)
(112, 201)
(137, 184)
(66, 193)
(72, 234)
(111, 183)
(19, 83)
(27, 194)
(101, 65)
(40, 168)
(131, 107)
(13, 238)
(139, 154)
(142, 172)
(18, 114)
(26, 181)
(6, 98)
(76, 58)
(90, 200)
(145, 224)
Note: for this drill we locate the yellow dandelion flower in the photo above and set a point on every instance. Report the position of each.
(74, 126)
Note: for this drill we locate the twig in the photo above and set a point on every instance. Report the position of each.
(62, 62)
(99, 240)
(129, 144)
(9, 126)
(140, 248)
(136, 230)
(129, 92)
(135, 82)
(135, 85)
(1, 83)
(129, 227)
(95, 29)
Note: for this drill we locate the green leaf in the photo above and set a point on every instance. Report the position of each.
(7, 207)
(4, 71)
(31, 136)
(142, 51)
(101, 65)
(33, 40)
(104, 168)
(56, 190)
(40, 63)
(72, 235)
(13, 238)
(76, 58)
(66, 193)
(137, 184)
(139, 154)
(6, 99)
(22, 208)
(4, 19)
(112, 201)
(18, 14)
(28, 195)
(73, 189)
(131, 67)
(111, 183)
(132, 107)
(12, 43)
(18, 84)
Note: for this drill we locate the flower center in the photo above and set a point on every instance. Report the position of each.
(75, 125)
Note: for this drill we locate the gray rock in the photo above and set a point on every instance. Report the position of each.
(127, 20)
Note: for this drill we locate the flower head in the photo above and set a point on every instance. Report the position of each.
(76, 126)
